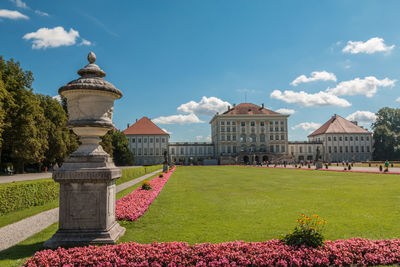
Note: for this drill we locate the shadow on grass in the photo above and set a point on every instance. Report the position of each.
(20, 251)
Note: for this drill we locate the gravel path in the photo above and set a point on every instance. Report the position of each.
(14, 233)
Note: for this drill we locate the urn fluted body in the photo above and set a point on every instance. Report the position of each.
(87, 178)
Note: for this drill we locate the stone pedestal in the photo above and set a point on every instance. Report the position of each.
(87, 178)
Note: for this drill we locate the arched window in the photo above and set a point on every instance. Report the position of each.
(253, 148)
(243, 148)
(253, 138)
(263, 148)
(262, 137)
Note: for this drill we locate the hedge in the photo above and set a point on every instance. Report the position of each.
(19, 195)
(129, 174)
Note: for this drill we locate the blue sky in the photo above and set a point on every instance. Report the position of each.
(178, 62)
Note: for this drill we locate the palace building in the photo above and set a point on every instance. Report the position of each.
(147, 142)
(250, 134)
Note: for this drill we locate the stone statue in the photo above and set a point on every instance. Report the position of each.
(165, 163)
(318, 163)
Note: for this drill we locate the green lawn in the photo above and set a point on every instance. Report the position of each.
(216, 204)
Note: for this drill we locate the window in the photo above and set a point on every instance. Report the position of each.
(282, 129)
(281, 122)
(243, 138)
(262, 124)
(340, 138)
(276, 137)
(151, 151)
(356, 138)
(252, 123)
(309, 149)
(362, 149)
(223, 149)
(345, 138)
(367, 139)
(144, 140)
(282, 137)
(335, 149)
(277, 148)
(362, 138)
(253, 138)
(276, 122)
(139, 151)
(233, 123)
(222, 129)
(243, 124)
(233, 129)
(340, 149)
(140, 140)
(229, 149)
(228, 129)
(234, 149)
(271, 148)
(191, 151)
(222, 137)
(356, 149)
(329, 138)
(367, 148)
(145, 151)
(151, 140)
(158, 151)
(182, 151)
(157, 140)
(329, 149)
(262, 137)
(233, 137)
(172, 151)
(271, 137)
(276, 129)
(334, 138)
(351, 149)
(271, 129)
(222, 123)
(347, 149)
(301, 149)
(163, 140)
(351, 138)
(133, 140)
(228, 123)
(133, 151)
(228, 138)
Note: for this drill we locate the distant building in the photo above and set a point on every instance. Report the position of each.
(188, 152)
(147, 142)
(343, 140)
(305, 151)
(249, 133)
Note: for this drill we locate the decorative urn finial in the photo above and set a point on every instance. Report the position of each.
(91, 57)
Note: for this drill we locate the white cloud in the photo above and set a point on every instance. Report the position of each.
(208, 138)
(85, 42)
(165, 130)
(208, 106)
(306, 126)
(310, 100)
(398, 99)
(41, 13)
(12, 14)
(19, 3)
(45, 37)
(315, 76)
(286, 111)
(362, 116)
(177, 119)
(371, 46)
(57, 97)
(367, 86)
(199, 137)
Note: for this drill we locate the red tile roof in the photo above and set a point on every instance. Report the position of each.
(249, 108)
(144, 126)
(338, 124)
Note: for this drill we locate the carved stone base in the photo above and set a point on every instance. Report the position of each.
(74, 238)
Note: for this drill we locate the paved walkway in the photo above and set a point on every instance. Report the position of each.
(36, 176)
(14, 233)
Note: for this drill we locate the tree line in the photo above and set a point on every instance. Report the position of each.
(33, 131)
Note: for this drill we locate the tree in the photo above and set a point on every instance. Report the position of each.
(387, 134)
(25, 133)
(3, 97)
(117, 146)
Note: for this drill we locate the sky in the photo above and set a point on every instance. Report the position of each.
(180, 62)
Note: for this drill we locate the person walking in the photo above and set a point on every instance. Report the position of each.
(387, 166)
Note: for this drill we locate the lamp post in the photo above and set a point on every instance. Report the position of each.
(87, 178)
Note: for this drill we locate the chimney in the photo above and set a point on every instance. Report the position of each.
(127, 125)
(234, 105)
(136, 120)
(229, 108)
(262, 105)
(354, 122)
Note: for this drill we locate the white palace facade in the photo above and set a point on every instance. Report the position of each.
(250, 134)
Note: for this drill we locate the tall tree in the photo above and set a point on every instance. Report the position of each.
(387, 134)
(117, 146)
(3, 97)
(25, 133)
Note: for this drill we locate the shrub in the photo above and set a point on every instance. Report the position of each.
(307, 232)
(132, 173)
(20, 195)
(146, 185)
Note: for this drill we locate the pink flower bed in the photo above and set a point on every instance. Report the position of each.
(271, 253)
(134, 205)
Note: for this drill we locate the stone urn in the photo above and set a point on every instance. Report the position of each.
(87, 178)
